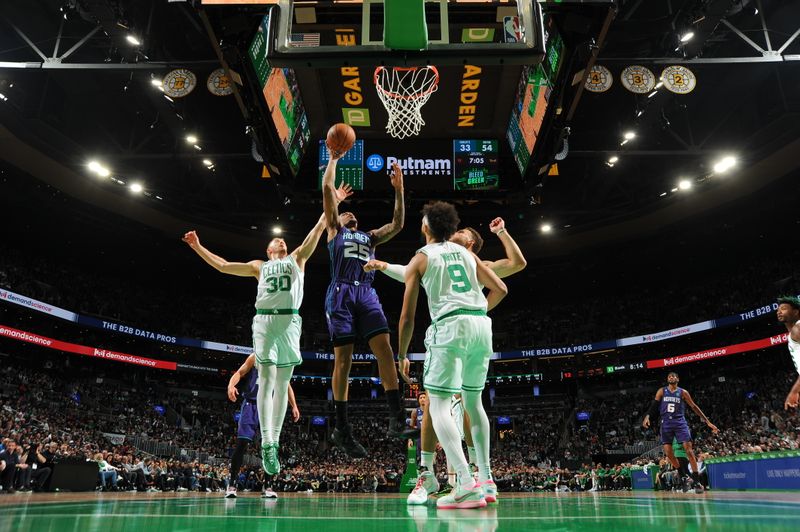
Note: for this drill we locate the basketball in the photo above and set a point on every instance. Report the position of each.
(341, 138)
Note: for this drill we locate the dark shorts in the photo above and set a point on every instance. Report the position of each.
(353, 312)
(248, 421)
(671, 430)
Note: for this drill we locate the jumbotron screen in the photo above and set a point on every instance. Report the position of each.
(282, 96)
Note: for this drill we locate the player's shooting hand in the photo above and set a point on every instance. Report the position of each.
(397, 177)
(295, 414)
(791, 400)
(334, 155)
(646, 422)
(232, 393)
(497, 225)
(403, 368)
(343, 192)
(192, 239)
(374, 264)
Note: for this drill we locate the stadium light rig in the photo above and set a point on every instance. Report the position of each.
(546, 228)
(684, 184)
(724, 164)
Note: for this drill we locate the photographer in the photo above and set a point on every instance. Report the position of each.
(35, 476)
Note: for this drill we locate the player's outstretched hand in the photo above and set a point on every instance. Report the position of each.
(191, 238)
(295, 414)
(397, 177)
(497, 225)
(334, 155)
(791, 400)
(646, 422)
(343, 192)
(403, 368)
(374, 264)
(232, 393)
(713, 428)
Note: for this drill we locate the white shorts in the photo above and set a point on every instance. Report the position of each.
(458, 349)
(276, 339)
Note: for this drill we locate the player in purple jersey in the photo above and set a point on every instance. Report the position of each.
(352, 307)
(670, 403)
(246, 378)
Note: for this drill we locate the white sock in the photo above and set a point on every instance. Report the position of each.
(280, 400)
(449, 438)
(426, 460)
(480, 430)
(266, 386)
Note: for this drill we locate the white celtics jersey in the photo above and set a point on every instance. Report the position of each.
(280, 285)
(451, 280)
(794, 351)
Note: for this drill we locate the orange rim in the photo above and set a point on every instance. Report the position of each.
(394, 95)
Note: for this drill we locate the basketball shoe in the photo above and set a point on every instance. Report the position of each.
(343, 439)
(426, 484)
(463, 497)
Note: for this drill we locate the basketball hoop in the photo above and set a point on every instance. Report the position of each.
(403, 91)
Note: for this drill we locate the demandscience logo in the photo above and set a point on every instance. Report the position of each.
(375, 162)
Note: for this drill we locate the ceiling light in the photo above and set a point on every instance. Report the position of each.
(94, 166)
(191, 139)
(674, 189)
(662, 194)
(659, 84)
(639, 113)
(133, 40)
(168, 98)
(277, 230)
(624, 142)
(198, 148)
(684, 184)
(3, 97)
(156, 82)
(136, 187)
(724, 164)
(103, 172)
(159, 198)
(652, 94)
(208, 162)
(688, 36)
(629, 135)
(546, 228)
(613, 159)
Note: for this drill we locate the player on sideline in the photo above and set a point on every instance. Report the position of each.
(511, 264)
(458, 342)
(789, 315)
(248, 419)
(276, 325)
(353, 310)
(670, 403)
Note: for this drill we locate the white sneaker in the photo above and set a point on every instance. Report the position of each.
(151, 490)
(182, 489)
(231, 493)
(426, 484)
(268, 494)
(462, 497)
(489, 490)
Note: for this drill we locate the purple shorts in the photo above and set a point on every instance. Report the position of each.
(353, 311)
(671, 430)
(248, 421)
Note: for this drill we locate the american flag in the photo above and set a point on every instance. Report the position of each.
(302, 40)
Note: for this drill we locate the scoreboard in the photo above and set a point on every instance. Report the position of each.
(475, 165)
(349, 169)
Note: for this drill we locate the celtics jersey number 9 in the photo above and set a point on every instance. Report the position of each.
(280, 285)
(451, 280)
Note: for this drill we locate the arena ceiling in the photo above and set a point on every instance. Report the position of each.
(98, 102)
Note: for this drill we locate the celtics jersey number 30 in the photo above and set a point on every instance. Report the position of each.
(280, 285)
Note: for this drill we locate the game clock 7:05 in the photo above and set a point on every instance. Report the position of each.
(475, 165)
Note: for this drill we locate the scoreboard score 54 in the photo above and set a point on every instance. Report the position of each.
(475, 165)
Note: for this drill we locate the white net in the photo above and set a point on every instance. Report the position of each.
(403, 92)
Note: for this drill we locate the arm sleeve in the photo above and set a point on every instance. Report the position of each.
(396, 272)
(653, 412)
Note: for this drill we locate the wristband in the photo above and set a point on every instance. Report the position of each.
(500, 232)
(400, 356)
